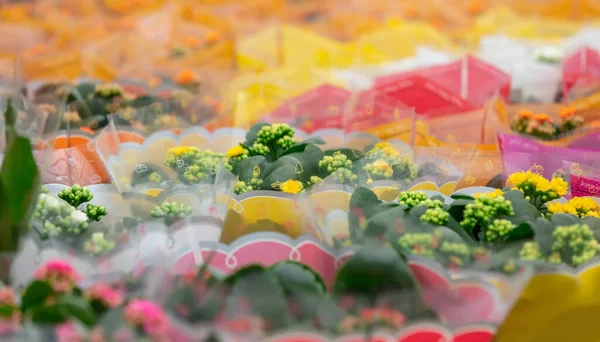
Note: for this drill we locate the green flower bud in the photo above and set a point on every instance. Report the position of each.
(575, 244)
(76, 195)
(483, 210)
(435, 216)
(95, 212)
(418, 243)
(171, 212)
(498, 229)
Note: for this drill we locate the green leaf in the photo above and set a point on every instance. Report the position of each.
(245, 168)
(35, 294)
(113, 319)
(301, 147)
(385, 221)
(145, 100)
(365, 203)
(284, 172)
(363, 197)
(10, 116)
(301, 285)
(594, 224)
(437, 197)
(312, 141)
(7, 310)
(310, 162)
(521, 232)
(561, 219)
(82, 91)
(19, 189)
(52, 314)
(524, 210)
(262, 291)
(10, 119)
(543, 230)
(457, 208)
(456, 227)
(329, 315)
(512, 195)
(373, 270)
(461, 196)
(80, 309)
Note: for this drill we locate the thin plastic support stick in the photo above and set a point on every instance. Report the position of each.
(413, 128)
(486, 110)
(464, 78)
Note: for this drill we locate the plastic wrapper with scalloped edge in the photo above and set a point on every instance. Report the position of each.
(419, 290)
(347, 218)
(522, 154)
(265, 285)
(139, 226)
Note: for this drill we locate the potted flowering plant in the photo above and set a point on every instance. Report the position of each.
(544, 127)
(73, 221)
(523, 221)
(272, 159)
(373, 289)
(89, 103)
(54, 301)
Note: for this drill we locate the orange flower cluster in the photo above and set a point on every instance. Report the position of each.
(544, 126)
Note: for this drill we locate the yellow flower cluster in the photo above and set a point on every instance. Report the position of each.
(291, 186)
(235, 151)
(578, 206)
(490, 194)
(386, 148)
(179, 150)
(525, 179)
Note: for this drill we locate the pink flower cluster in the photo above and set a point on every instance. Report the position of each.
(7, 296)
(149, 316)
(60, 274)
(68, 332)
(105, 294)
(8, 299)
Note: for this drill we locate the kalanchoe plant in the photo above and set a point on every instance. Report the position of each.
(414, 225)
(54, 298)
(60, 218)
(544, 127)
(271, 159)
(374, 288)
(90, 104)
(572, 245)
(383, 162)
(10, 314)
(54, 217)
(578, 206)
(537, 189)
(194, 166)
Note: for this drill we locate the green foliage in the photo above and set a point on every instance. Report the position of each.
(19, 186)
